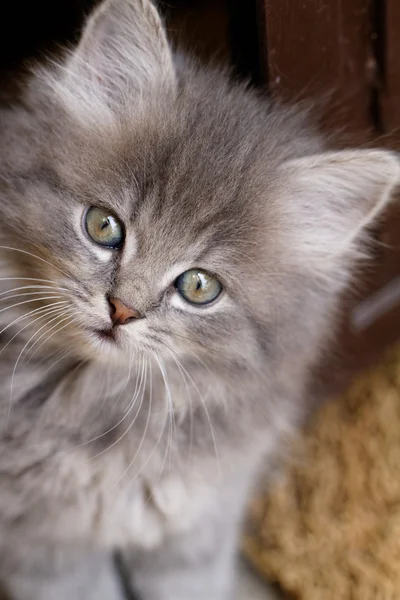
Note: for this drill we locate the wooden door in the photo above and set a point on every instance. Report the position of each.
(345, 55)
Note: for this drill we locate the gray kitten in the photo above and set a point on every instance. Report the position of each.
(173, 249)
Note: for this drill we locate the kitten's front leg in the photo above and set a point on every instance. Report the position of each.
(94, 579)
(199, 565)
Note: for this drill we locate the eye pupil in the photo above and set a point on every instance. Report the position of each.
(103, 228)
(198, 287)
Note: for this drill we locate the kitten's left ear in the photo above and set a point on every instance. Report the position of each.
(336, 195)
(123, 51)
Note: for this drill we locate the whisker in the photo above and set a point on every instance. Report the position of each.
(137, 387)
(128, 378)
(144, 433)
(27, 294)
(184, 379)
(150, 455)
(73, 320)
(27, 279)
(63, 311)
(32, 312)
(170, 409)
(34, 256)
(131, 404)
(16, 366)
(47, 314)
(63, 354)
(173, 423)
(30, 287)
(105, 374)
(94, 439)
(167, 446)
(207, 416)
(31, 300)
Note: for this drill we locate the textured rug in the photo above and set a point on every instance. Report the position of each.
(330, 526)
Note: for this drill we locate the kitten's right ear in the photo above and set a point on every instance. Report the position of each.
(123, 51)
(335, 196)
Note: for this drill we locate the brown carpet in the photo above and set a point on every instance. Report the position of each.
(330, 528)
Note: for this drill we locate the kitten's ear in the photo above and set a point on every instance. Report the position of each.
(123, 51)
(338, 195)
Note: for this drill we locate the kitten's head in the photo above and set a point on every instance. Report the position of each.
(171, 211)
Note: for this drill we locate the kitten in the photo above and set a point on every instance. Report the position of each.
(173, 248)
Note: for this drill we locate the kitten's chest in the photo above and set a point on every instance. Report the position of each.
(110, 505)
(132, 489)
(138, 476)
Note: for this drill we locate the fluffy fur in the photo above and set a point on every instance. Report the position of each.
(148, 444)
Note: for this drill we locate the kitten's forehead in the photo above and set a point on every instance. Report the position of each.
(187, 177)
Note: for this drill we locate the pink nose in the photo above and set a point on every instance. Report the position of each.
(120, 313)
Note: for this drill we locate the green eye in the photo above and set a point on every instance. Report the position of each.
(198, 287)
(103, 227)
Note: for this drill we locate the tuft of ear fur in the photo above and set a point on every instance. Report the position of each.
(123, 53)
(336, 195)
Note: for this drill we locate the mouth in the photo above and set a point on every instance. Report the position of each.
(106, 334)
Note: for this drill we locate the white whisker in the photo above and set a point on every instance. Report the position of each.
(16, 366)
(145, 430)
(170, 409)
(72, 320)
(28, 279)
(27, 294)
(34, 287)
(167, 446)
(94, 439)
(173, 423)
(184, 379)
(137, 388)
(32, 312)
(207, 415)
(150, 455)
(128, 378)
(62, 356)
(49, 312)
(131, 404)
(31, 300)
(34, 256)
